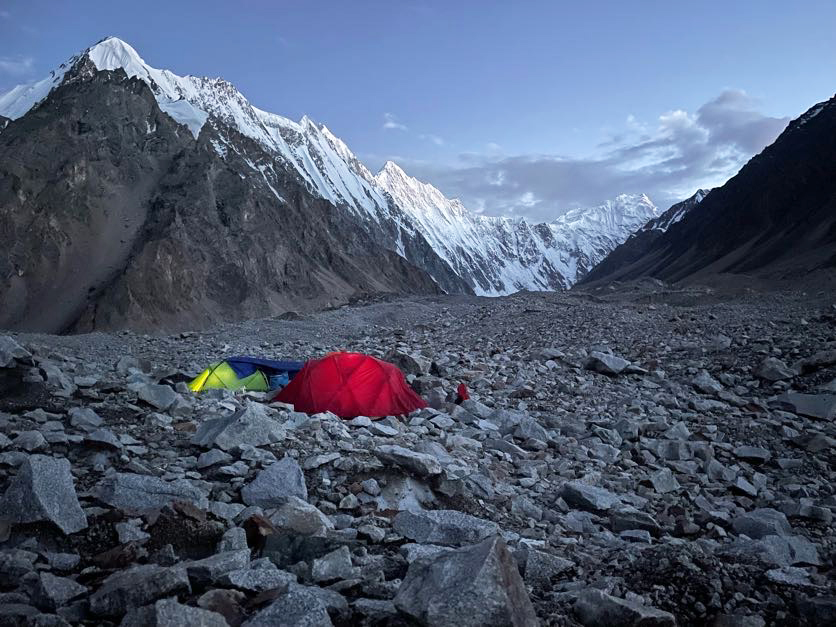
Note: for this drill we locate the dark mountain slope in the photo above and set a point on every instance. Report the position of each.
(775, 218)
(116, 216)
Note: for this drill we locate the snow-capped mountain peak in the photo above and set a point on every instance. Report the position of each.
(500, 255)
(414, 195)
(111, 53)
(493, 255)
(623, 209)
(392, 168)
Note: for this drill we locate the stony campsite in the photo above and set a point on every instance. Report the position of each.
(417, 314)
(625, 457)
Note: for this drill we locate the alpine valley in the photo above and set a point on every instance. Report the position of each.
(246, 381)
(133, 197)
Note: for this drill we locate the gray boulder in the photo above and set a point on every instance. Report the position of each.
(209, 570)
(790, 550)
(333, 565)
(663, 481)
(172, 613)
(540, 567)
(738, 620)
(104, 438)
(43, 490)
(14, 565)
(300, 517)
(773, 369)
(443, 526)
(754, 454)
(127, 363)
(629, 519)
(598, 609)
(132, 492)
(251, 425)
(213, 458)
(258, 579)
(474, 407)
(476, 585)
(84, 418)
(762, 522)
(56, 379)
(30, 441)
(605, 363)
(376, 611)
(820, 406)
(11, 351)
(412, 552)
(528, 428)
(587, 497)
(52, 592)
(706, 384)
(160, 396)
(273, 485)
(818, 360)
(781, 551)
(21, 614)
(408, 363)
(135, 587)
(299, 607)
(422, 464)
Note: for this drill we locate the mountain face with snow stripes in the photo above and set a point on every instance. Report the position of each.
(462, 251)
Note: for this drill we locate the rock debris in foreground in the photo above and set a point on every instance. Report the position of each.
(639, 455)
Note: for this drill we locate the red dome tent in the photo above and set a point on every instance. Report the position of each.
(351, 385)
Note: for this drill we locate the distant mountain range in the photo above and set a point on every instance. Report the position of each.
(497, 255)
(136, 197)
(775, 219)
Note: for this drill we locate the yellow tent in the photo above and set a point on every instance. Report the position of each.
(248, 373)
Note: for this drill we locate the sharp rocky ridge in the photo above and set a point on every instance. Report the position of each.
(463, 252)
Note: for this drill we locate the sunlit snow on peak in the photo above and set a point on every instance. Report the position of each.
(494, 255)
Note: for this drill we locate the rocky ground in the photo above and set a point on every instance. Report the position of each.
(630, 456)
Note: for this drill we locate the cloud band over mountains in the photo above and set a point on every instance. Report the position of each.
(668, 160)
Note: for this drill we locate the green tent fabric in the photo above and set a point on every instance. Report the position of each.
(249, 373)
(221, 375)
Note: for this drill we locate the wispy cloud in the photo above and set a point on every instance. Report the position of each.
(16, 65)
(390, 122)
(435, 139)
(5, 15)
(668, 158)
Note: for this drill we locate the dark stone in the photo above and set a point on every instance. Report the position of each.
(476, 585)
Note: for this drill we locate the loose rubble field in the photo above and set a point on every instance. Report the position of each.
(636, 456)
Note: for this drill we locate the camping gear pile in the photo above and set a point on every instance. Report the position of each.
(346, 384)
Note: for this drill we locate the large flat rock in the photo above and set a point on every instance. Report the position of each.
(132, 492)
(44, 490)
(477, 585)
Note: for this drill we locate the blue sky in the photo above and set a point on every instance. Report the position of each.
(517, 107)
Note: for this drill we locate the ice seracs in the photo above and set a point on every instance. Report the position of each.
(492, 255)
